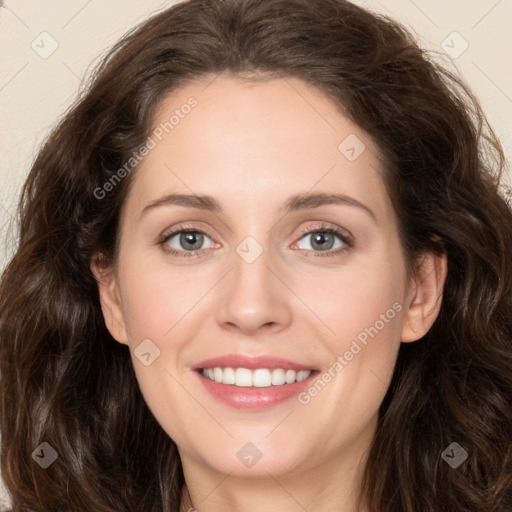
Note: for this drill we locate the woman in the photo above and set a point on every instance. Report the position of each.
(338, 334)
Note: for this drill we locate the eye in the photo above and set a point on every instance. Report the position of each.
(188, 241)
(185, 242)
(323, 239)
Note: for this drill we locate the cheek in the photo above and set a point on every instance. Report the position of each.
(362, 308)
(155, 310)
(357, 297)
(156, 300)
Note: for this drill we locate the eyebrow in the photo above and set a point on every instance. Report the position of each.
(305, 201)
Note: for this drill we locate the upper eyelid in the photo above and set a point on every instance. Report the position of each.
(169, 233)
(322, 225)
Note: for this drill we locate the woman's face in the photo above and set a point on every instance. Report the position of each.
(259, 173)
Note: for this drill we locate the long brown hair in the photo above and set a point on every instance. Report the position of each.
(66, 382)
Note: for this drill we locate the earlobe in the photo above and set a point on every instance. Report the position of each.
(426, 294)
(109, 298)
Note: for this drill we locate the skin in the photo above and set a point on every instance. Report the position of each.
(251, 146)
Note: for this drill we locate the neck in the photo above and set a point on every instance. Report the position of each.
(329, 488)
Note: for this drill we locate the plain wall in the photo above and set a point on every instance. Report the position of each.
(36, 87)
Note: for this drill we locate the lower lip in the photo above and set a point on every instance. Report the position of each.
(254, 398)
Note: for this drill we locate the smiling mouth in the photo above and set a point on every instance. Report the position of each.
(258, 378)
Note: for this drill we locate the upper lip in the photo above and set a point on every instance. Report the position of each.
(250, 362)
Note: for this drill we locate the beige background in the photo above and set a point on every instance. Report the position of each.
(36, 88)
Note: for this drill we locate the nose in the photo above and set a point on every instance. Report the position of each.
(254, 298)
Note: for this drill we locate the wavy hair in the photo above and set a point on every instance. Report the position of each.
(65, 381)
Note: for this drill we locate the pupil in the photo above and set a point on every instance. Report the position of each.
(322, 239)
(191, 238)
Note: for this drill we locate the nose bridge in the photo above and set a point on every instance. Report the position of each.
(254, 296)
(252, 266)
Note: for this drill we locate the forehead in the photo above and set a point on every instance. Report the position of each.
(242, 140)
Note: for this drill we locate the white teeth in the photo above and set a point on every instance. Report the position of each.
(290, 376)
(278, 378)
(243, 377)
(228, 376)
(217, 373)
(302, 375)
(260, 378)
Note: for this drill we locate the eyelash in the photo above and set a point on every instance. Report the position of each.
(342, 235)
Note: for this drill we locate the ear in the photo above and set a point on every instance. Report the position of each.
(110, 300)
(425, 292)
